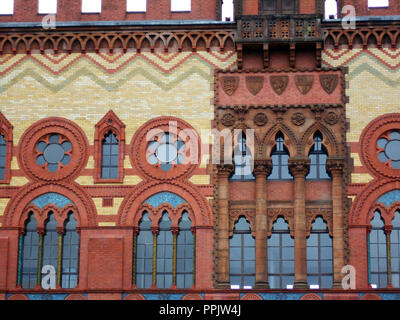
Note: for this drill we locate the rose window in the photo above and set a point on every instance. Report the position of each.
(389, 149)
(53, 152)
(166, 151)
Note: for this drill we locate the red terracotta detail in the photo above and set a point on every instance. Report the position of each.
(192, 296)
(134, 296)
(251, 296)
(6, 130)
(311, 296)
(18, 297)
(75, 296)
(370, 296)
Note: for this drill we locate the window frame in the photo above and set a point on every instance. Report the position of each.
(278, 8)
(319, 163)
(6, 130)
(280, 154)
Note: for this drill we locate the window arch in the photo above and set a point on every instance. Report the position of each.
(185, 253)
(319, 255)
(242, 159)
(109, 156)
(242, 262)
(318, 156)
(38, 249)
(280, 256)
(280, 160)
(144, 253)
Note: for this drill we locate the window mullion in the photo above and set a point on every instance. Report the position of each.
(174, 236)
(40, 256)
(388, 258)
(59, 257)
(20, 253)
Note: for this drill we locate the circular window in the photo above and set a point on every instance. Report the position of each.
(53, 152)
(166, 151)
(390, 149)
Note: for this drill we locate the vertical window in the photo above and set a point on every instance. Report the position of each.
(395, 250)
(110, 154)
(377, 259)
(50, 244)
(181, 5)
(269, 6)
(30, 255)
(91, 6)
(242, 262)
(164, 253)
(242, 159)
(136, 5)
(280, 159)
(7, 7)
(70, 254)
(3, 153)
(288, 6)
(144, 253)
(47, 7)
(280, 256)
(378, 3)
(185, 253)
(319, 255)
(318, 156)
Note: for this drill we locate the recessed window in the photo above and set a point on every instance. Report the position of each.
(280, 160)
(181, 5)
(279, 6)
(378, 3)
(47, 7)
(318, 156)
(136, 5)
(243, 160)
(91, 6)
(110, 156)
(3, 153)
(7, 7)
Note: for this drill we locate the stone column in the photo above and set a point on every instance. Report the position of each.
(299, 167)
(262, 168)
(335, 165)
(224, 171)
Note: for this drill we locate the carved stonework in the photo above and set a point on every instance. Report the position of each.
(230, 84)
(279, 83)
(254, 84)
(234, 215)
(329, 82)
(325, 213)
(260, 119)
(304, 83)
(228, 119)
(299, 166)
(286, 213)
(335, 165)
(224, 170)
(331, 118)
(298, 119)
(262, 167)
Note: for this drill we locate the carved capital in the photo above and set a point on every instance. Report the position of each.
(262, 167)
(299, 166)
(335, 165)
(388, 229)
(154, 230)
(224, 169)
(175, 230)
(60, 230)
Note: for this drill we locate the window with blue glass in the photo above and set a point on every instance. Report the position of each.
(319, 255)
(395, 250)
(280, 256)
(165, 248)
(39, 250)
(144, 253)
(280, 159)
(185, 253)
(3, 153)
(110, 155)
(318, 156)
(242, 262)
(243, 159)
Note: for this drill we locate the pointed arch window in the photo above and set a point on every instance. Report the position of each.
(395, 250)
(319, 255)
(185, 253)
(165, 248)
(144, 253)
(6, 146)
(280, 159)
(242, 262)
(280, 256)
(318, 156)
(242, 159)
(3, 156)
(110, 156)
(48, 248)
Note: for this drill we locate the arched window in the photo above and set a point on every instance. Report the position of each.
(280, 159)
(280, 256)
(395, 250)
(164, 253)
(377, 258)
(242, 262)
(242, 159)
(3, 154)
(30, 256)
(50, 244)
(319, 255)
(318, 156)
(70, 254)
(144, 253)
(110, 154)
(185, 253)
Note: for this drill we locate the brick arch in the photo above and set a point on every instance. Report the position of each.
(192, 296)
(134, 296)
(85, 212)
(370, 296)
(311, 296)
(328, 139)
(251, 296)
(18, 297)
(75, 296)
(290, 139)
(384, 213)
(129, 210)
(234, 217)
(395, 207)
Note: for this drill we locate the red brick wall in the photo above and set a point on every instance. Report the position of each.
(3, 261)
(307, 6)
(250, 7)
(358, 255)
(27, 11)
(363, 10)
